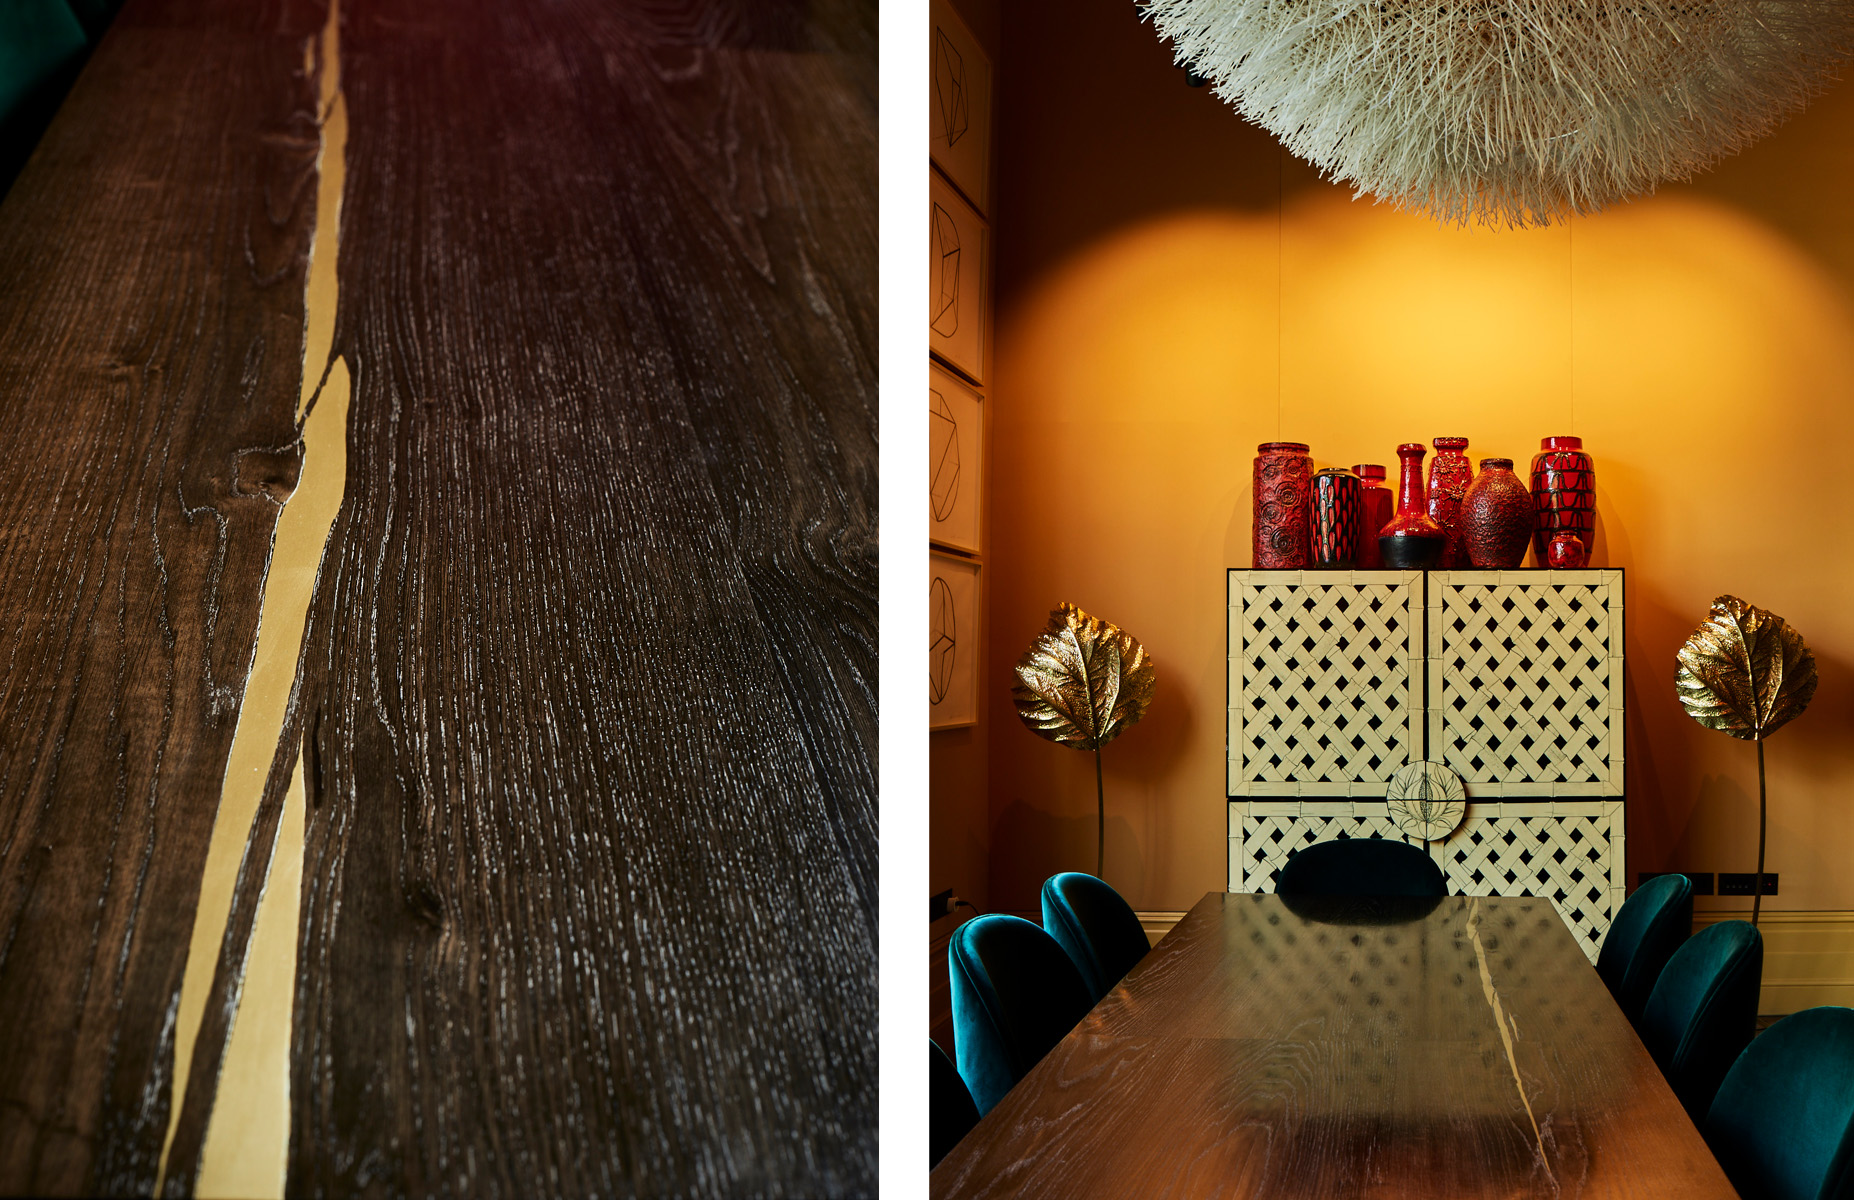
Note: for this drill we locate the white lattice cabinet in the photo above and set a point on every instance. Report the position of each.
(1512, 678)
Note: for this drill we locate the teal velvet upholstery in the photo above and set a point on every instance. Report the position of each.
(1782, 1122)
(1361, 867)
(1703, 1010)
(1098, 929)
(950, 1111)
(42, 45)
(1651, 926)
(1015, 994)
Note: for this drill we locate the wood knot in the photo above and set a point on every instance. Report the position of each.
(271, 471)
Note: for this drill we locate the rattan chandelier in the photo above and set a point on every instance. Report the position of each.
(1511, 112)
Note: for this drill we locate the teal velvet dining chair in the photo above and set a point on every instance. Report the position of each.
(1015, 994)
(1782, 1125)
(950, 1111)
(1096, 928)
(1703, 1010)
(1361, 867)
(42, 45)
(1649, 928)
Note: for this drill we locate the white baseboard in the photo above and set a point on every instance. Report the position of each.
(1808, 957)
(1158, 924)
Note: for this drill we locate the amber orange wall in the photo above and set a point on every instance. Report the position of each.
(1173, 289)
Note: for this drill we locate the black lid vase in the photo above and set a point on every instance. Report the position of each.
(1412, 541)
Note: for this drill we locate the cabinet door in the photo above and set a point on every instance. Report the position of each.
(1325, 681)
(1525, 681)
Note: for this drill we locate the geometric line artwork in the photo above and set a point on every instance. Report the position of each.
(946, 306)
(1525, 681)
(943, 453)
(943, 634)
(1325, 682)
(1569, 856)
(949, 88)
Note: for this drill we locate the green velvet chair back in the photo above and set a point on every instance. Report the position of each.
(950, 1111)
(1099, 930)
(42, 46)
(1783, 1120)
(1651, 926)
(1361, 867)
(1015, 994)
(1703, 1010)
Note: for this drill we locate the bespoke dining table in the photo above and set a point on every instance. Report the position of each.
(438, 604)
(1436, 1048)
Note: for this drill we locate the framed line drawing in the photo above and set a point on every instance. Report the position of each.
(959, 137)
(955, 459)
(952, 641)
(958, 247)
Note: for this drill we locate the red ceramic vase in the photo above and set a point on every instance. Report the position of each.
(1335, 519)
(1496, 517)
(1450, 473)
(1565, 552)
(1563, 493)
(1412, 540)
(1283, 486)
(1375, 503)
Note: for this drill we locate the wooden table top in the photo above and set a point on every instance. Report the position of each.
(1453, 1048)
(438, 604)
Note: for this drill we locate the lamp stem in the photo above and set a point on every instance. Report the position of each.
(1100, 814)
(1757, 889)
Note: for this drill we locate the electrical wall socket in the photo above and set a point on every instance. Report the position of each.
(1702, 880)
(942, 904)
(1744, 883)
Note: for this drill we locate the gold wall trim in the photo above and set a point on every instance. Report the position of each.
(246, 1148)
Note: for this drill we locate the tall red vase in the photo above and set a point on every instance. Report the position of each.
(1375, 503)
(1563, 494)
(1450, 473)
(1412, 541)
(1282, 499)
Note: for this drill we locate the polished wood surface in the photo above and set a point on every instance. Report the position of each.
(586, 698)
(1454, 1048)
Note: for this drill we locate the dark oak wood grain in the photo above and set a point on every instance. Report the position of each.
(587, 692)
(1347, 1049)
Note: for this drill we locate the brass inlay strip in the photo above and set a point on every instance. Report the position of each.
(1506, 1032)
(247, 1138)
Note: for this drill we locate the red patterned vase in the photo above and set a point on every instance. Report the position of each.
(1375, 503)
(1496, 517)
(1566, 552)
(1412, 541)
(1450, 473)
(1283, 483)
(1335, 519)
(1563, 493)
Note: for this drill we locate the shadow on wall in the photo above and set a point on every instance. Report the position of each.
(1707, 362)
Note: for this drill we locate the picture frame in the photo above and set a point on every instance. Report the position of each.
(959, 105)
(959, 252)
(955, 460)
(953, 640)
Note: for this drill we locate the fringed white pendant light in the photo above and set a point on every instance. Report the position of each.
(1511, 111)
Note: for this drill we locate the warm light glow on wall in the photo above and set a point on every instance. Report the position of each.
(1707, 363)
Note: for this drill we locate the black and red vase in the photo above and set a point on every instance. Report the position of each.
(1563, 494)
(1450, 473)
(1335, 519)
(1375, 503)
(1283, 496)
(1412, 541)
(1496, 517)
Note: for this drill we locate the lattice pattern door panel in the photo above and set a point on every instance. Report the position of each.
(1569, 851)
(1525, 681)
(1325, 681)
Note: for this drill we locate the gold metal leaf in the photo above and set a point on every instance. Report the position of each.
(1745, 671)
(1083, 680)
